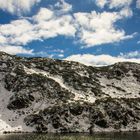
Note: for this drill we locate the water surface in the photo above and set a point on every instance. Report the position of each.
(107, 136)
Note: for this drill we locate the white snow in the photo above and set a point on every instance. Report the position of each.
(10, 120)
(13, 121)
(129, 84)
(78, 94)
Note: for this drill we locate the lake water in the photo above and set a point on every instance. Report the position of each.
(107, 136)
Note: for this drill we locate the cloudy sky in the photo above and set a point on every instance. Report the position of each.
(94, 32)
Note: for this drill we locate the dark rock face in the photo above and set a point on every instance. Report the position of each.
(19, 102)
(99, 114)
(63, 96)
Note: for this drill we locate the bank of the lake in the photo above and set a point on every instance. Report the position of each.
(96, 136)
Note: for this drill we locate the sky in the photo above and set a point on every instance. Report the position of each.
(93, 32)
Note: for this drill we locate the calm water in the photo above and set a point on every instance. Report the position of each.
(108, 136)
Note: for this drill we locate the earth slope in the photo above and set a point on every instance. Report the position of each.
(47, 95)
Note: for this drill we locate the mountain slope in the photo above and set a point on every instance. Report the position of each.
(47, 95)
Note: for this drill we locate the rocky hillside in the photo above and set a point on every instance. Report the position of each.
(47, 95)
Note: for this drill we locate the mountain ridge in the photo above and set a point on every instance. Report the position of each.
(50, 95)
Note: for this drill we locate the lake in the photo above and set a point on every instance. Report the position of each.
(103, 136)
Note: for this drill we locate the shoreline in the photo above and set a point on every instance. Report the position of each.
(74, 133)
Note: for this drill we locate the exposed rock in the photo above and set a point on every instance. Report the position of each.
(47, 95)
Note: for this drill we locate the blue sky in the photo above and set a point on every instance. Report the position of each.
(94, 32)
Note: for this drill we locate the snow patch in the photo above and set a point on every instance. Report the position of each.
(79, 95)
(127, 87)
(10, 120)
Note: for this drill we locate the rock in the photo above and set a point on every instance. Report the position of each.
(60, 96)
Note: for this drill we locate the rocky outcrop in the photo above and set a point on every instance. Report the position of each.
(104, 115)
(47, 95)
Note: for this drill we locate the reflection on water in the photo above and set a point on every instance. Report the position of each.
(107, 136)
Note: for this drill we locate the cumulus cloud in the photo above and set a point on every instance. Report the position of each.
(126, 12)
(56, 26)
(43, 15)
(90, 28)
(18, 32)
(63, 6)
(46, 24)
(13, 36)
(119, 3)
(15, 50)
(101, 3)
(123, 5)
(134, 54)
(113, 3)
(17, 6)
(50, 53)
(99, 28)
(99, 60)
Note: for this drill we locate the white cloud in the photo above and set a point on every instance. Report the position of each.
(99, 60)
(138, 4)
(17, 6)
(15, 50)
(113, 3)
(60, 55)
(50, 54)
(138, 42)
(42, 26)
(44, 14)
(99, 28)
(119, 3)
(90, 28)
(58, 51)
(123, 5)
(62, 25)
(101, 3)
(126, 12)
(2, 39)
(134, 54)
(63, 6)
(55, 21)
(19, 32)
(14, 35)
(45, 25)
